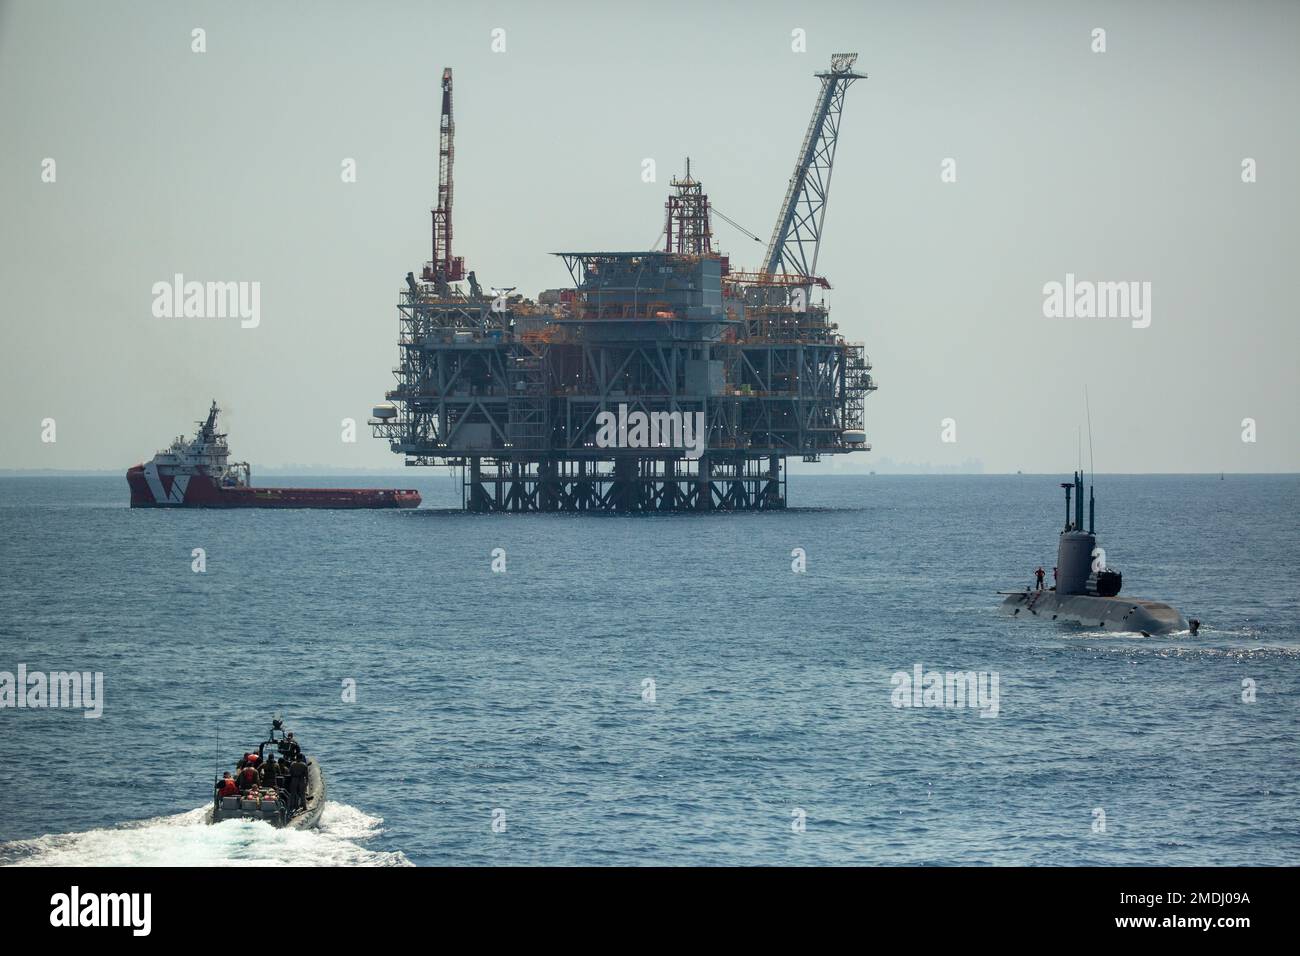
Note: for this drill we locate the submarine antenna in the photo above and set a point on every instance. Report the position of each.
(1092, 467)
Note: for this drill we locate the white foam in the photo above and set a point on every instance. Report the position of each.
(186, 840)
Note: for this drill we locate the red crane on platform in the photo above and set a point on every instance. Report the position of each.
(444, 267)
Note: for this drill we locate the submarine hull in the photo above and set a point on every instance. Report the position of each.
(1119, 613)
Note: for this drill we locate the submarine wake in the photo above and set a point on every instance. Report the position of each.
(184, 839)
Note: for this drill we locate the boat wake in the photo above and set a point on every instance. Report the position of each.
(184, 839)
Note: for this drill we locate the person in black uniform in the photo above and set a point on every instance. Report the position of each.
(270, 769)
(298, 783)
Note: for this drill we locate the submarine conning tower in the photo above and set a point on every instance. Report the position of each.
(1074, 552)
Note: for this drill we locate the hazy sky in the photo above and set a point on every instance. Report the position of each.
(225, 166)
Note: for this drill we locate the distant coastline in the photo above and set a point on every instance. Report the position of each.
(901, 470)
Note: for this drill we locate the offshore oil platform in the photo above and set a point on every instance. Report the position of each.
(663, 380)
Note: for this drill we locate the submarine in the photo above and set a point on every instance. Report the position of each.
(1086, 591)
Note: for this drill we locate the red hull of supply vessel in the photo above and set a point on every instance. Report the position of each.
(199, 474)
(200, 491)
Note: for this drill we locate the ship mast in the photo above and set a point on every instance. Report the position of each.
(208, 429)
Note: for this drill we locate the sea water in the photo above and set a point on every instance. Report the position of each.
(657, 689)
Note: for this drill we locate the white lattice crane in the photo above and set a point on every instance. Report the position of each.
(796, 239)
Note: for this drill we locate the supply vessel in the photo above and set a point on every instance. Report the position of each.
(198, 473)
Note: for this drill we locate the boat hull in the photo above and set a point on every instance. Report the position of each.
(309, 818)
(1117, 613)
(152, 490)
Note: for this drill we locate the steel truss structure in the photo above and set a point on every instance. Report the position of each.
(518, 411)
(734, 372)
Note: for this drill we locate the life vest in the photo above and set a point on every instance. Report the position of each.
(228, 787)
(248, 775)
